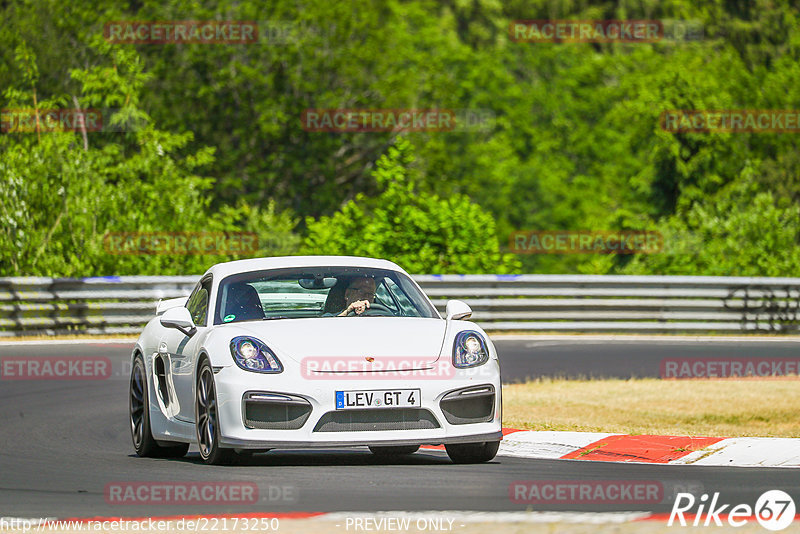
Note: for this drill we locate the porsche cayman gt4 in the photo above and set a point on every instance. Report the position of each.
(313, 352)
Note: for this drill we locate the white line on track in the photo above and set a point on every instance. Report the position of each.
(747, 452)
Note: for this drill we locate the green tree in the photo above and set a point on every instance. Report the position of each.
(741, 231)
(575, 144)
(62, 192)
(422, 233)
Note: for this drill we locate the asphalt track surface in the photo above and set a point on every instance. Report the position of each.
(62, 443)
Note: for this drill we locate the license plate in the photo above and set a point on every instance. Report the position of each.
(377, 398)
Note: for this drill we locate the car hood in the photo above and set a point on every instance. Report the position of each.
(403, 338)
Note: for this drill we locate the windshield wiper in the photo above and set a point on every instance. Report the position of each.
(276, 317)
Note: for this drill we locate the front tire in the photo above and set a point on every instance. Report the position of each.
(472, 453)
(207, 420)
(139, 417)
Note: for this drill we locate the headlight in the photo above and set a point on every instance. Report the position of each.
(469, 350)
(252, 354)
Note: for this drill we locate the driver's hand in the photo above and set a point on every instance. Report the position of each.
(358, 306)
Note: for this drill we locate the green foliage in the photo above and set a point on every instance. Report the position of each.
(575, 144)
(60, 197)
(423, 233)
(740, 231)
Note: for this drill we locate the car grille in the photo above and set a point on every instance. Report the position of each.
(377, 419)
(273, 412)
(469, 405)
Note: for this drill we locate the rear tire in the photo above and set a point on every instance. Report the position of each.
(139, 418)
(472, 453)
(207, 420)
(393, 451)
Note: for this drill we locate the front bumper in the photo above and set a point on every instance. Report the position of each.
(235, 385)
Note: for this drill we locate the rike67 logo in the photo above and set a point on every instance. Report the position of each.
(774, 510)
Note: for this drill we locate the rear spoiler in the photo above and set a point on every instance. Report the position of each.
(164, 304)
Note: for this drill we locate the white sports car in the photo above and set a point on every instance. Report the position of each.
(313, 352)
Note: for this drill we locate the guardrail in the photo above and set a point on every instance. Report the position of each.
(122, 305)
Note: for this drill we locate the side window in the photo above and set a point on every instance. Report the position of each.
(406, 307)
(198, 303)
(382, 296)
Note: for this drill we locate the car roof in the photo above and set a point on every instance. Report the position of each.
(222, 270)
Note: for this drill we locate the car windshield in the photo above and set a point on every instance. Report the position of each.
(318, 292)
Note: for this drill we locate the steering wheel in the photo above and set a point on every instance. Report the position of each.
(380, 308)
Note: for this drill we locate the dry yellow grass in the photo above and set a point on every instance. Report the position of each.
(724, 408)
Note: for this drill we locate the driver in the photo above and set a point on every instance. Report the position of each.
(359, 294)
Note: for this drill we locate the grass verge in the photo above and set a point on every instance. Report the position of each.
(720, 407)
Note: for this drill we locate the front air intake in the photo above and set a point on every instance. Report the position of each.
(469, 405)
(377, 419)
(274, 411)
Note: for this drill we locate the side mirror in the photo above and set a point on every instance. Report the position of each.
(457, 310)
(179, 318)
